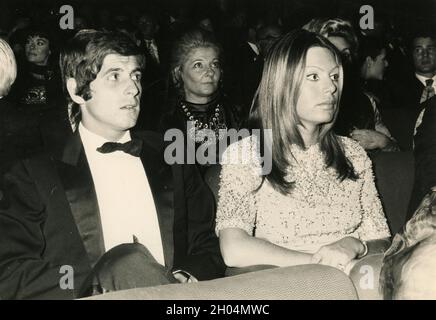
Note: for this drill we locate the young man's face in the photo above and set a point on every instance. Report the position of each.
(115, 97)
(424, 56)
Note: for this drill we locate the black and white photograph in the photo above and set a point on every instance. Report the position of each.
(205, 151)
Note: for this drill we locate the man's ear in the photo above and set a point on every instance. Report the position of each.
(71, 88)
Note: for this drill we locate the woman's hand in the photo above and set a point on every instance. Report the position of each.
(338, 254)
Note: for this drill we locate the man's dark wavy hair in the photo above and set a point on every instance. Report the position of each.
(82, 59)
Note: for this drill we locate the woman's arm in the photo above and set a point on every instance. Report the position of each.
(239, 249)
(374, 224)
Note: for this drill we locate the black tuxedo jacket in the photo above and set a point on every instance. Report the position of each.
(155, 71)
(405, 94)
(50, 217)
(425, 155)
(243, 75)
(406, 91)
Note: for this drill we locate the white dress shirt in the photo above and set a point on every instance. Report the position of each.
(126, 204)
(422, 80)
(152, 49)
(418, 122)
(254, 47)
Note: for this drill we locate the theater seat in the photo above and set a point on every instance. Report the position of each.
(394, 175)
(305, 282)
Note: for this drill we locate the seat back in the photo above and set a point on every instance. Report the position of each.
(394, 175)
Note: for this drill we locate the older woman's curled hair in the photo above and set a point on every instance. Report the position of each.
(8, 68)
(409, 265)
(190, 40)
(335, 30)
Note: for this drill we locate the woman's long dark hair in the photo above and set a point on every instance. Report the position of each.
(274, 107)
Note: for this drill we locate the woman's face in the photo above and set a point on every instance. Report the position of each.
(319, 88)
(206, 24)
(343, 46)
(201, 74)
(37, 50)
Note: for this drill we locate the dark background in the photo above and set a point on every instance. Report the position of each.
(404, 13)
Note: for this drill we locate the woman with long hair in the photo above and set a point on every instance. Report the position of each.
(318, 203)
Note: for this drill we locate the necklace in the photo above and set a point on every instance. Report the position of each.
(215, 122)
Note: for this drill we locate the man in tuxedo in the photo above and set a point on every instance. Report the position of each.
(152, 46)
(246, 69)
(103, 211)
(154, 81)
(425, 156)
(410, 92)
(412, 84)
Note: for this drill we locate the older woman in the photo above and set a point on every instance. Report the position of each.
(8, 73)
(318, 203)
(196, 71)
(340, 33)
(8, 68)
(409, 265)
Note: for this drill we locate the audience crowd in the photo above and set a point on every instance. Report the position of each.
(222, 65)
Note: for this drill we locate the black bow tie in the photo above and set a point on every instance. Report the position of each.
(132, 147)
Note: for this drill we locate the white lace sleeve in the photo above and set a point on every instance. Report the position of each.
(238, 180)
(374, 224)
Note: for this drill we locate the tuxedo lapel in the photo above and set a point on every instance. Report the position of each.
(160, 179)
(76, 178)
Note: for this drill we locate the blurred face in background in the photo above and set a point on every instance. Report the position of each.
(148, 26)
(377, 67)
(206, 24)
(343, 46)
(266, 37)
(424, 56)
(80, 23)
(37, 50)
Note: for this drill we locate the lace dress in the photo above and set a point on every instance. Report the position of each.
(321, 209)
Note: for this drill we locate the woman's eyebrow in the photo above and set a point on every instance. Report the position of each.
(38, 39)
(136, 70)
(317, 67)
